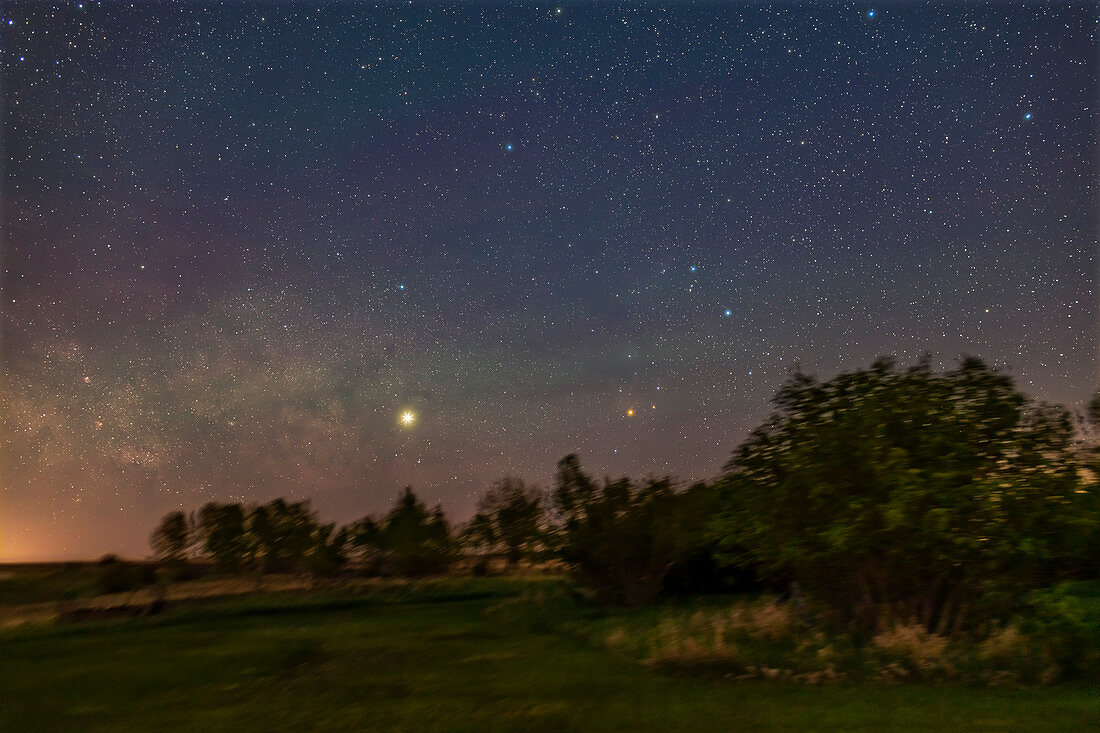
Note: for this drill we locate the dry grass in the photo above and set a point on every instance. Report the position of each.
(1010, 654)
(909, 651)
(726, 638)
(767, 640)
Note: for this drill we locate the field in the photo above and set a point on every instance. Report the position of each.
(430, 656)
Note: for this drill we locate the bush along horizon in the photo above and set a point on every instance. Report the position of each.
(910, 496)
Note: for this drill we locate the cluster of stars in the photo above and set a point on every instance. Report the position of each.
(324, 251)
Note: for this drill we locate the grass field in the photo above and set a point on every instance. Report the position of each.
(435, 657)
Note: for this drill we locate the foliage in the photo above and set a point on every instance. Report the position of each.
(763, 638)
(364, 543)
(1085, 532)
(282, 534)
(620, 538)
(509, 520)
(1068, 637)
(328, 553)
(910, 495)
(171, 540)
(222, 531)
(700, 567)
(414, 540)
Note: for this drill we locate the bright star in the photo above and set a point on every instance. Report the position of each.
(630, 412)
(1027, 116)
(509, 147)
(728, 312)
(870, 13)
(408, 417)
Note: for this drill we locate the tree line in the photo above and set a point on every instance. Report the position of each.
(282, 536)
(884, 493)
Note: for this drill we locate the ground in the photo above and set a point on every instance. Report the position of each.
(434, 657)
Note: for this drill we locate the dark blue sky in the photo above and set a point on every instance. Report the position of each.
(241, 240)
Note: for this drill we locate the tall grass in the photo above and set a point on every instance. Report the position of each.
(769, 640)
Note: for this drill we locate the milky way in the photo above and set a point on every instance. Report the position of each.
(242, 242)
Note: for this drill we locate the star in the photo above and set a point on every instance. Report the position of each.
(568, 282)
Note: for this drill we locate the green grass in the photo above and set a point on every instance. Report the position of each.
(435, 657)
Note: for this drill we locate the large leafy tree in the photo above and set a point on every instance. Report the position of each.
(906, 493)
(509, 519)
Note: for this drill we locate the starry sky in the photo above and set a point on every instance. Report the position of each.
(323, 251)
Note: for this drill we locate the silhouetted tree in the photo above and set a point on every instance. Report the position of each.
(328, 554)
(915, 494)
(479, 534)
(222, 532)
(509, 519)
(416, 541)
(620, 538)
(364, 543)
(172, 538)
(282, 534)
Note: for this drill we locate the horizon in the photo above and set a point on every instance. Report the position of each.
(149, 555)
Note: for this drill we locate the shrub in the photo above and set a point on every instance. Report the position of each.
(939, 497)
(910, 651)
(1062, 632)
(118, 576)
(764, 639)
(620, 538)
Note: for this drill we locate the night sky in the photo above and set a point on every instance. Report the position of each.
(242, 241)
